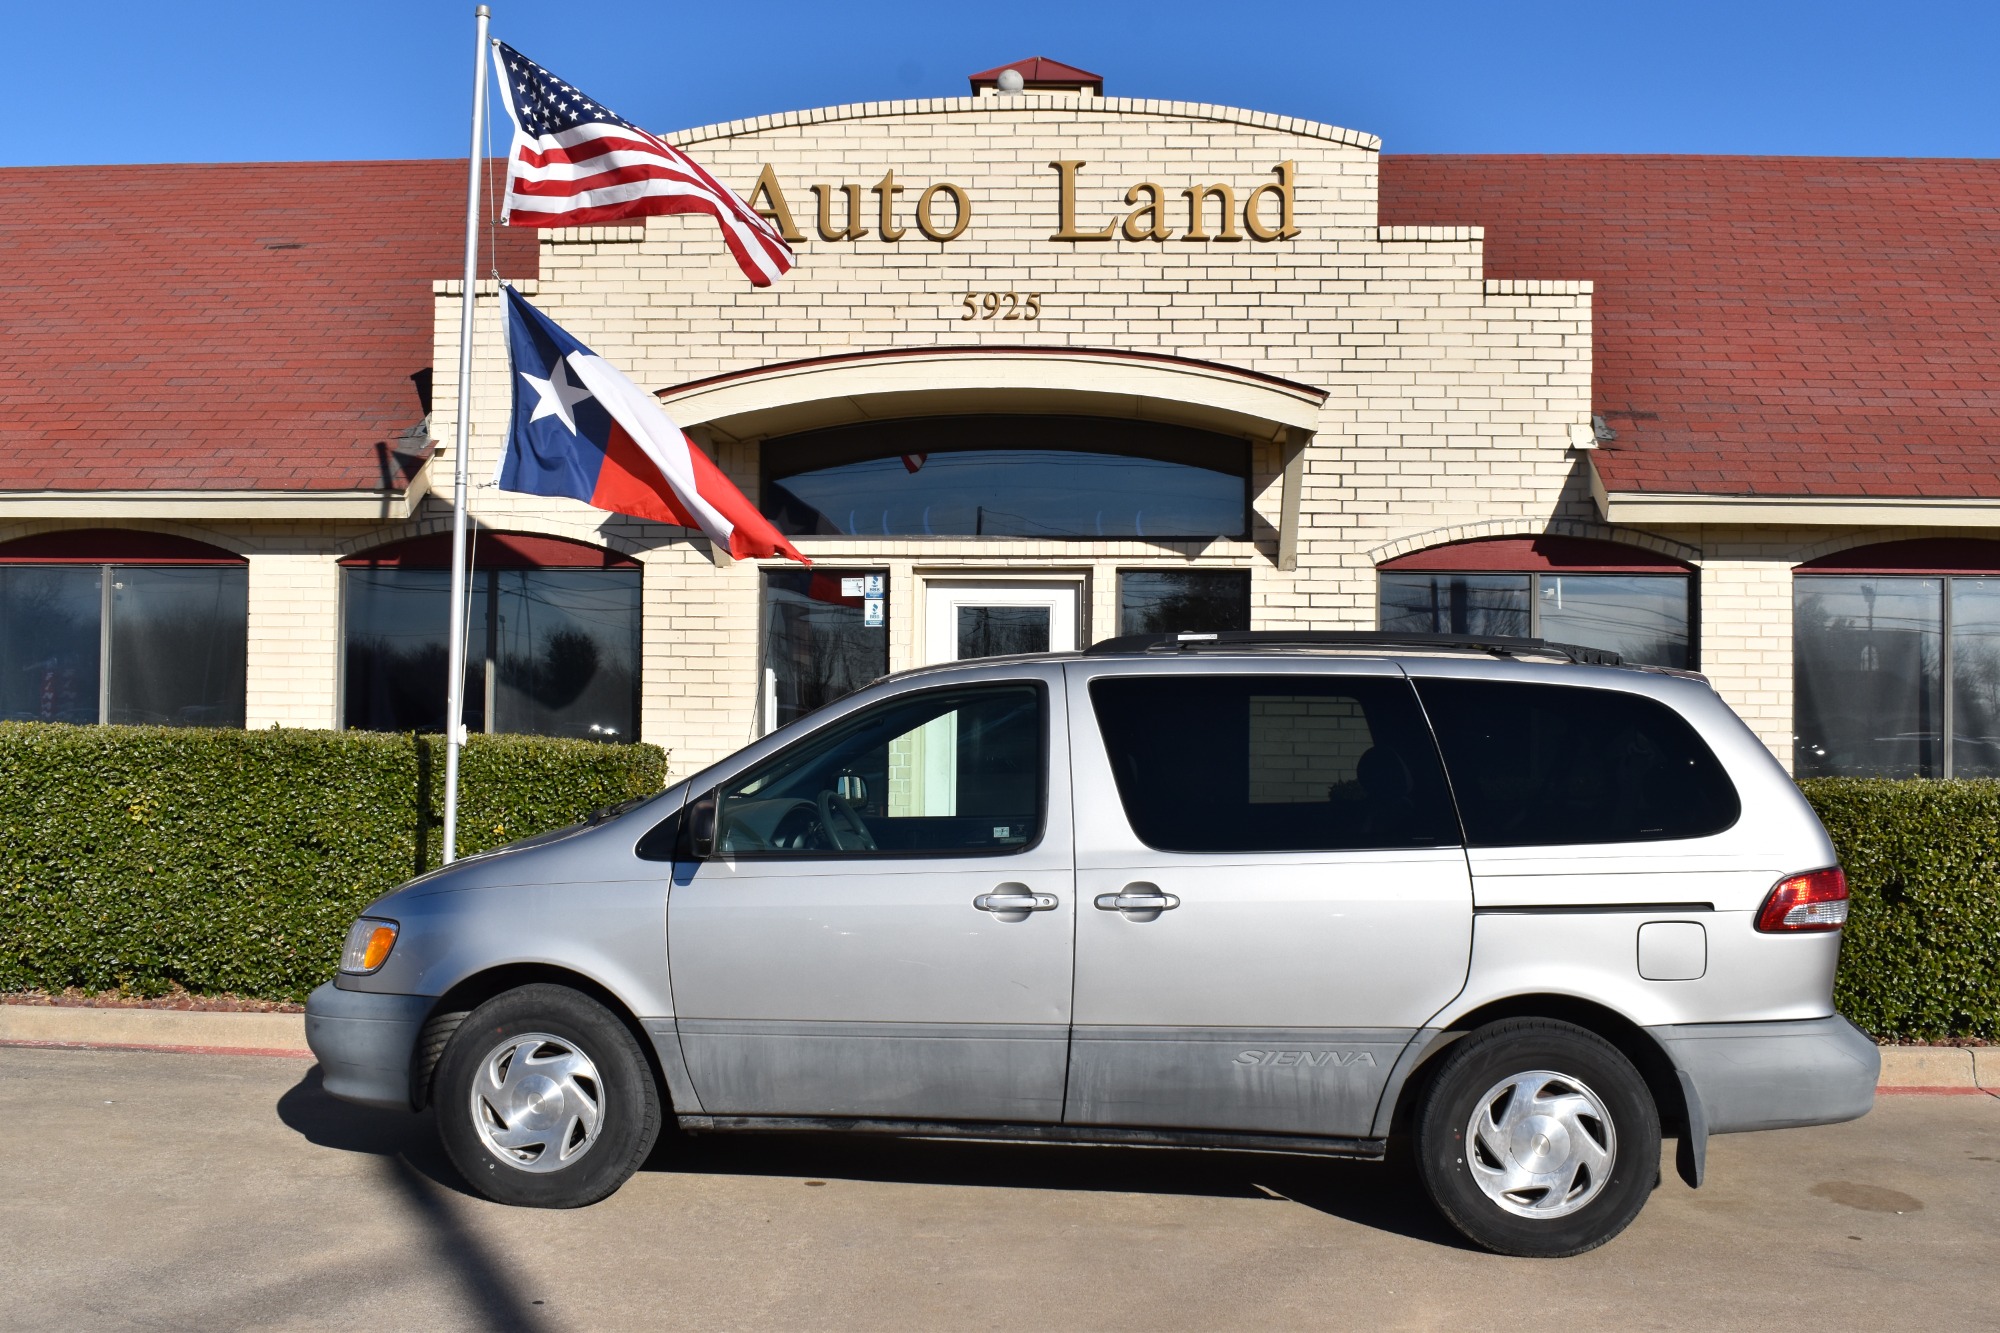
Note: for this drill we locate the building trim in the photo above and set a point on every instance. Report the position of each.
(1872, 511)
(373, 506)
(1032, 102)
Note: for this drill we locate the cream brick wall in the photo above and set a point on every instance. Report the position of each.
(292, 674)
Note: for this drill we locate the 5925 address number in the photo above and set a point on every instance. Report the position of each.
(1002, 305)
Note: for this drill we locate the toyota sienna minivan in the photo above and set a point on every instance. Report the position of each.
(1509, 903)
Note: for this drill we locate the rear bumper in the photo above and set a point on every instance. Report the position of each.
(364, 1042)
(1775, 1075)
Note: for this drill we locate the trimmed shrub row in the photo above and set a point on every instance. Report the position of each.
(140, 858)
(1922, 955)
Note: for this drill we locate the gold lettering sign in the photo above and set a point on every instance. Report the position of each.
(840, 216)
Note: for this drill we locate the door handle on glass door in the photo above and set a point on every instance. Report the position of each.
(1015, 898)
(1151, 901)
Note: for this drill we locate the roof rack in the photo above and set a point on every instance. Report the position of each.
(1240, 640)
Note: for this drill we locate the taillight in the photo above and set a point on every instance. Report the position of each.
(1814, 901)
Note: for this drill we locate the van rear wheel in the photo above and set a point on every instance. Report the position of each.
(544, 1099)
(1538, 1138)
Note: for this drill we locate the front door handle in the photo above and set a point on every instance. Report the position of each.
(1015, 898)
(1151, 901)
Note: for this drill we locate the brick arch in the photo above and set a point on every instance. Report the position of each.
(1848, 541)
(226, 543)
(521, 525)
(1490, 528)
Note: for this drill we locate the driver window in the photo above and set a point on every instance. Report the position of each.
(946, 771)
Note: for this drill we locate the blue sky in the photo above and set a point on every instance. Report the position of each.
(114, 81)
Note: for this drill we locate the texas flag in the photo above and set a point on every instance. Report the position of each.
(584, 430)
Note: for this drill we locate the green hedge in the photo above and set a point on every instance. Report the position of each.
(140, 858)
(1922, 954)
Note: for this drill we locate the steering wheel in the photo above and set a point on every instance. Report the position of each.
(799, 829)
(836, 810)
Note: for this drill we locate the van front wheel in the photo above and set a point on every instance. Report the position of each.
(1538, 1138)
(544, 1099)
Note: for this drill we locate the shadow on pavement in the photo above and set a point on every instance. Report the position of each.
(1384, 1195)
(419, 1177)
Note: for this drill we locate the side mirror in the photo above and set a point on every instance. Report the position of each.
(701, 827)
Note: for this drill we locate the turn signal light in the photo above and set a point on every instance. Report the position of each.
(1814, 901)
(368, 945)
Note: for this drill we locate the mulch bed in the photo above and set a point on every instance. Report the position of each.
(174, 999)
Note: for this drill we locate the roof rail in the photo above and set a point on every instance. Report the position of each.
(1380, 640)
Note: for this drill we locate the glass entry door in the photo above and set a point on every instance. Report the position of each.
(965, 618)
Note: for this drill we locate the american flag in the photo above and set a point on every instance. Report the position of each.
(577, 163)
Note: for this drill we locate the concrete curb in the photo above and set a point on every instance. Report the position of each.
(54, 1025)
(1904, 1068)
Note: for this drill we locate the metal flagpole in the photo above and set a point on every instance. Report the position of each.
(455, 692)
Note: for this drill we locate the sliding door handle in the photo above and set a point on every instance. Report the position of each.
(1150, 901)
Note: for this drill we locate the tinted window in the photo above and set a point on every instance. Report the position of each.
(554, 651)
(944, 771)
(1553, 764)
(1646, 618)
(1273, 763)
(821, 642)
(1167, 601)
(978, 476)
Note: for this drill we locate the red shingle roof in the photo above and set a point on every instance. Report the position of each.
(222, 327)
(1763, 326)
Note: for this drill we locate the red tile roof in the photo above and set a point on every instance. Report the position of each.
(222, 327)
(1763, 326)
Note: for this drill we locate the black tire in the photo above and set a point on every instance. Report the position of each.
(619, 1087)
(1604, 1198)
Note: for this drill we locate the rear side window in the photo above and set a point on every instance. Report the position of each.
(1557, 765)
(1273, 763)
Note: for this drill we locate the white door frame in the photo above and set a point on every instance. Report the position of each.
(944, 595)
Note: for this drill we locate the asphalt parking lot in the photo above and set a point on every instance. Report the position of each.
(161, 1191)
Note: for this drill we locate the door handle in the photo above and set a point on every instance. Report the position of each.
(1015, 899)
(1155, 901)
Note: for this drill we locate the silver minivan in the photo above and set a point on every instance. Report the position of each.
(1519, 909)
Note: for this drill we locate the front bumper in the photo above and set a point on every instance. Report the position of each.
(364, 1042)
(1774, 1075)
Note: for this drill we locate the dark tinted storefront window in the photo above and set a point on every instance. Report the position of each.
(819, 644)
(1886, 666)
(1273, 763)
(1645, 618)
(553, 652)
(1167, 601)
(176, 643)
(1554, 765)
(1063, 477)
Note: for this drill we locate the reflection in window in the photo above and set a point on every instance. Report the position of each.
(943, 771)
(995, 631)
(1273, 763)
(553, 652)
(1062, 477)
(1168, 601)
(1645, 618)
(1885, 667)
(176, 641)
(818, 644)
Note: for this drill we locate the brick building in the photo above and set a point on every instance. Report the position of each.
(1053, 366)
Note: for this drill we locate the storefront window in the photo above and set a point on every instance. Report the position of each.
(822, 639)
(1594, 594)
(553, 651)
(1060, 477)
(88, 640)
(1168, 601)
(1896, 668)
